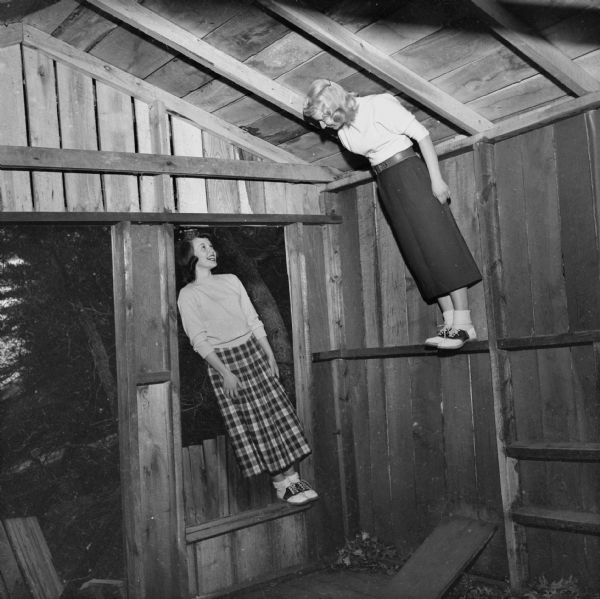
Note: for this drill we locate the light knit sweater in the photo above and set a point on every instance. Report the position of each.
(217, 312)
(381, 128)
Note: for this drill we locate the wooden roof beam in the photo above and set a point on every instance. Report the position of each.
(352, 47)
(138, 88)
(542, 53)
(186, 43)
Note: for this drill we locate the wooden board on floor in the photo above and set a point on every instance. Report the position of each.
(440, 559)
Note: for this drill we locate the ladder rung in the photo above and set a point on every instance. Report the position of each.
(585, 522)
(559, 452)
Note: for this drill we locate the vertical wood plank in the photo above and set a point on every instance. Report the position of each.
(578, 211)
(323, 326)
(457, 402)
(116, 133)
(253, 190)
(460, 176)
(152, 134)
(337, 339)
(148, 415)
(78, 132)
(42, 114)
(187, 141)
(222, 194)
(355, 371)
(378, 434)
(15, 186)
(392, 285)
(488, 199)
(296, 267)
(214, 564)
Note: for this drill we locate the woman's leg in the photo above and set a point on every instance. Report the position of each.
(462, 326)
(447, 308)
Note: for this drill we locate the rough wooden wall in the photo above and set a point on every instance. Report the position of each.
(416, 435)
(548, 202)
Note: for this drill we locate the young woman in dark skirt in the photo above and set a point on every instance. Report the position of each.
(414, 195)
(224, 328)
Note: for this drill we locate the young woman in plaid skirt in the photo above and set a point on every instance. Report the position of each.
(224, 328)
(414, 195)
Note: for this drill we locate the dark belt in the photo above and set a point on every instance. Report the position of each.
(395, 159)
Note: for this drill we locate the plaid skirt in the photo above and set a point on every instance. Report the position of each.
(262, 424)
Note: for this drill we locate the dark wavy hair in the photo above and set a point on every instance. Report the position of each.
(185, 258)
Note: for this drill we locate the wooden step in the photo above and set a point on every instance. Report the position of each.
(559, 452)
(541, 517)
(440, 559)
(228, 524)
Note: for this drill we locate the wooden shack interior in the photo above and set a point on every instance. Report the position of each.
(155, 113)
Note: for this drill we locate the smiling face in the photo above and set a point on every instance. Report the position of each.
(204, 251)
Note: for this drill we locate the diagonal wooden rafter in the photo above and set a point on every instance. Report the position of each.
(149, 93)
(186, 43)
(349, 45)
(541, 52)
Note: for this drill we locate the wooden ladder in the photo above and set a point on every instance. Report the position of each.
(504, 354)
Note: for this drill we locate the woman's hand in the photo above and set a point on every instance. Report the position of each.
(273, 366)
(231, 385)
(440, 190)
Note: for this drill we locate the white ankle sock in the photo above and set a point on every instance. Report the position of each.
(462, 320)
(448, 317)
(293, 478)
(280, 487)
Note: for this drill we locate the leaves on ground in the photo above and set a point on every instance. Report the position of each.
(366, 552)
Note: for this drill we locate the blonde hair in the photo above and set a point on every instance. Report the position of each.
(325, 96)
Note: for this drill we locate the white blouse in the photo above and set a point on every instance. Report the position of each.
(381, 128)
(217, 312)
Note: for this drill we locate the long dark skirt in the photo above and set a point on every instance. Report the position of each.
(432, 246)
(261, 423)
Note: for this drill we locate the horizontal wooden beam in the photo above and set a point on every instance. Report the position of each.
(132, 163)
(176, 218)
(516, 125)
(546, 341)
(539, 517)
(398, 351)
(555, 452)
(215, 528)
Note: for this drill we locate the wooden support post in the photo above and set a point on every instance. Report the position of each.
(487, 212)
(149, 429)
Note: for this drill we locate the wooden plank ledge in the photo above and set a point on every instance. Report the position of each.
(178, 218)
(222, 526)
(559, 452)
(440, 560)
(539, 517)
(397, 351)
(548, 341)
(136, 163)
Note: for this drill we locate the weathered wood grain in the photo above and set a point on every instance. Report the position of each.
(15, 187)
(42, 116)
(78, 131)
(116, 133)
